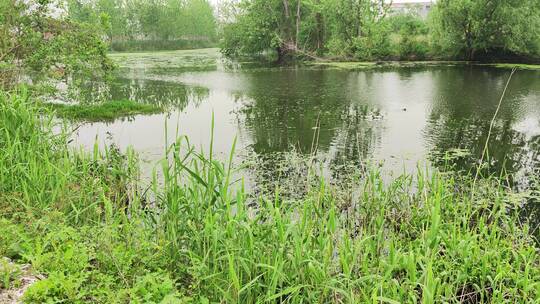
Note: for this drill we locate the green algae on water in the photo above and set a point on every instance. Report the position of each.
(106, 111)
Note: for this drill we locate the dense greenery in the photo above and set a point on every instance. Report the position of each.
(150, 25)
(476, 29)
(38, 44)
(370, 30)
(94, 231)
(83, 222)
(103, 111)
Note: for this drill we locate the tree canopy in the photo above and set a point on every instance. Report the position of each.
(37, 41)
(371, 30)
(467, 28)
(159, 22)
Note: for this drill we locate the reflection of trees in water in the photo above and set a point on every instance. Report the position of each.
(460, 119)
(283, 108)
(473, 92)
(509, 151)
(461, 114)
(158, 92)
(305, 111)
(162, 93)
(355, 140)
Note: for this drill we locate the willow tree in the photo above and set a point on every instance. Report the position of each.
(468, 28)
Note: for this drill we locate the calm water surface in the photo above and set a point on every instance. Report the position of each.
(396, 117)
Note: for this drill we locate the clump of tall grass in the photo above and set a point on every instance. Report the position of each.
(193, 236)
(391, 244)
(40, 173)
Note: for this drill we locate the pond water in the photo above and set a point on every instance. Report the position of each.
(396, 117)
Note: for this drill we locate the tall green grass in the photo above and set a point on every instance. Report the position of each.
(194, 236)
(40, 173)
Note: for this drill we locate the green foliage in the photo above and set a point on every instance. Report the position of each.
(374, 46)
(96, 238)
(89, 183)
(57, 288)
(152, 288)
(309, 28)
(370, 30)
(150, 25)
(412, 34)
(38, 43)
(262, 27)
(9, 274)
(106, 111)
(470, 29)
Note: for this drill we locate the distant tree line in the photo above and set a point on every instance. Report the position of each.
(370, 30)
(150, 24)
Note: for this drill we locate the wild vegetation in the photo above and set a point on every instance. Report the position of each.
(105, 111)
(84, 222)
(135, 25)
(89, 229)
(49, 51)
(370, 30)
(32, 39)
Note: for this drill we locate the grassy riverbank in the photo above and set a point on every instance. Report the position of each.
(82, 223)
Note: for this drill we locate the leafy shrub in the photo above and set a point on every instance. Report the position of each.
(152, 288)
(57, 288)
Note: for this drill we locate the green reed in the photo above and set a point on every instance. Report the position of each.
(195, 236)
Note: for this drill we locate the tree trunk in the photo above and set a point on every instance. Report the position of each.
(471, 54)
(297, 23)
(319, 28)
(288, 41)
(286, 8)
(288, 24)
(283, 54)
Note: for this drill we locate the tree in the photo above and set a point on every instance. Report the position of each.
(304, 27)
(42, 44)
(141, 24)
(465, 28)
(412, 31)
(263, 25)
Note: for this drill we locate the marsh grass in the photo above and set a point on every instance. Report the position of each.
(106, 111)
(82, 221)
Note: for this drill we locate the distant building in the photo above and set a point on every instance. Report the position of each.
(421, 7)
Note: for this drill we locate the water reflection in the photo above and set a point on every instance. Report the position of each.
(165, 94)
(461, 116)
(398, 117)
